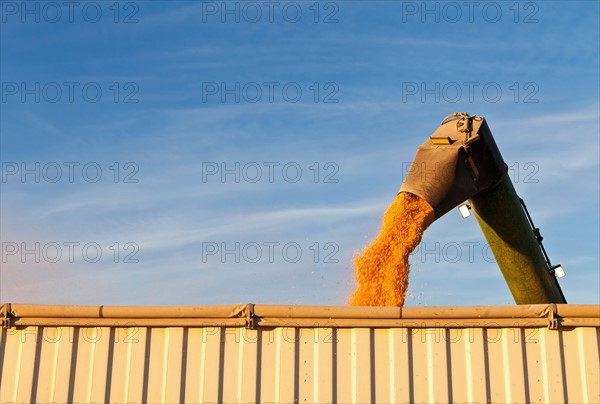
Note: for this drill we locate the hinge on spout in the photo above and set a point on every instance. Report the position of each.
(464, 124)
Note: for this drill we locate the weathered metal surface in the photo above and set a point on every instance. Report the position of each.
(474, 354)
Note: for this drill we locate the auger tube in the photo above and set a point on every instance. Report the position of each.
(516, 250)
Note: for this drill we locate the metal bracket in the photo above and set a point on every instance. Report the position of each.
(464, 123)
(552, 318)
(5, 316)
(250, 319)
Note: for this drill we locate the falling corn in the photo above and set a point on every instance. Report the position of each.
(382, 268)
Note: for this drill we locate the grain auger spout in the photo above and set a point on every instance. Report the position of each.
(460, 161)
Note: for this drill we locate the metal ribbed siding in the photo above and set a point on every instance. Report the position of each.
(291, 364)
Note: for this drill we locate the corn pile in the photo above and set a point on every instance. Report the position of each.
(382, 268)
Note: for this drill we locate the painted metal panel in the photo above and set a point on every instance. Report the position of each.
(287, 364)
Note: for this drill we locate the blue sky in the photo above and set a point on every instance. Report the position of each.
(315, 109)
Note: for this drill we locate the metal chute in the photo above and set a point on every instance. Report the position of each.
(460, 161)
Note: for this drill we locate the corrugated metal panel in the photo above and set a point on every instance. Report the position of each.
(302, 364)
